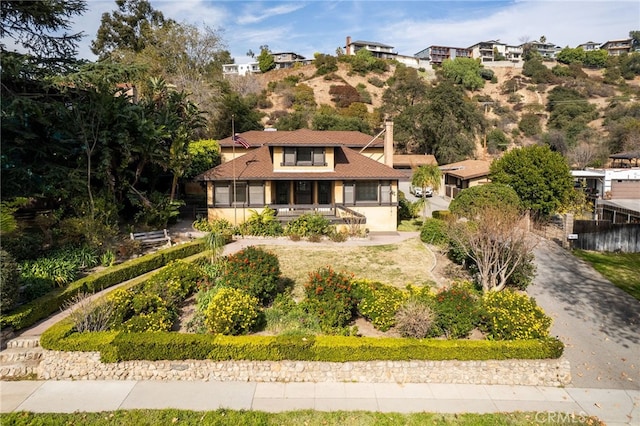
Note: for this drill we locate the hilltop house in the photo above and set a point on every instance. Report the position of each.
(346, 176)
(618, 47)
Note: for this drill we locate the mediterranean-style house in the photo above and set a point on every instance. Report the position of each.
(345, 175)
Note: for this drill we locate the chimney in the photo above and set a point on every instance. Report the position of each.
(347, 50)
(388, 143)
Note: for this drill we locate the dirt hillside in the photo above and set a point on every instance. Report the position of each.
(529, 94)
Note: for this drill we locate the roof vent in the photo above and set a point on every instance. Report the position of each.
(270, 129)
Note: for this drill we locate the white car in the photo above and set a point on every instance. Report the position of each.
(428, 191)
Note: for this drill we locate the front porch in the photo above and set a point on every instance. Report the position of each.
(337, 215)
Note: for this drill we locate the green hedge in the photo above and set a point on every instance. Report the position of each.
(32, 312)
(175, 346)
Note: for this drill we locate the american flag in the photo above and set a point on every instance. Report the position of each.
(240, 140)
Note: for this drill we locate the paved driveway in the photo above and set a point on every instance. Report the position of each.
(598, 323)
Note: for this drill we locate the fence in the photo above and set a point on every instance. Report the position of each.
(606, 236)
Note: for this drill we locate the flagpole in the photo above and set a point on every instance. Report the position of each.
(233, 142)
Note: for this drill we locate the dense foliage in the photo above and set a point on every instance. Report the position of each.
(254, 271)
(9, 281)
(471, 201)
(508, 315)
(329, 295)
(539, 176)
(231, 311)
(378, 302)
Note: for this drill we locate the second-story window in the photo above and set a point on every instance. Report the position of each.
(304, 156)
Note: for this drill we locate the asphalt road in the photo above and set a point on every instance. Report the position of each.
(436, 202)
(598, 323)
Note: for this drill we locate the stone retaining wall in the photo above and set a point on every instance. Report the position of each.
(57, 365)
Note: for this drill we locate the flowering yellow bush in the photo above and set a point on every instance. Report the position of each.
(231, 311)
(508, 315)
(379, 302)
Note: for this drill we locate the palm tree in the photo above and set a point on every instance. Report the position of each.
(424, 177)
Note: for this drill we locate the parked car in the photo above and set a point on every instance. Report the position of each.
(417, 191)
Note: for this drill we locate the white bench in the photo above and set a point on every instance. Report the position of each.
(152, 237)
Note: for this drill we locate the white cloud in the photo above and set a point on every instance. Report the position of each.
(254, 14)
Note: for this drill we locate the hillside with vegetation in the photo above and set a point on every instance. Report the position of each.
(584, 113)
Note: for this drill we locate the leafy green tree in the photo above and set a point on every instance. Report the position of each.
(635, 39)
(540, 177)
(448, 123)
(497, 141)
(470, 202)
(243, 110)
(294, 121)
(40, 27)
(425, 176)
(595, 58)
(204, 155)
(438, 120)
(266, 61)
(324, 120)
(131, 27)
(464, 71)
(570, 55)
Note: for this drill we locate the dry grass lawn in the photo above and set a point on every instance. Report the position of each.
(408, 262)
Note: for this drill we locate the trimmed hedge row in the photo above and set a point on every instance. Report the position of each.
(32, 312)
(115, 347)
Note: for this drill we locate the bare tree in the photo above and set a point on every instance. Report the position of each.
(496, 242)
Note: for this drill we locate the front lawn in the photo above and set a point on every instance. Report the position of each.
(407, 262)
(622, 269)
(305, 417)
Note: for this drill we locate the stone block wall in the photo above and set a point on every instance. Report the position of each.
(57, 365)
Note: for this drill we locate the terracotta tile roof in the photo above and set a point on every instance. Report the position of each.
(467, 169)
(413, 160)
(305, 137)
(257, 165)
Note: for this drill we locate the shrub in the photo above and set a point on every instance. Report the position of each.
(376, 81)
(285, 317)
(530, 124)
(507, 315)
(309, 224)
(174, 282)
(442, 214)
(231, 311)
(253, 270)
(9, 281)
(261, 224)
(329, 295)
(344, 95)
(457, 311)
(217, 226)
(434, 231)
(414, 319)
(524, 274)
(42, 307)
(135, 310)
(378, 302)
(88, 315)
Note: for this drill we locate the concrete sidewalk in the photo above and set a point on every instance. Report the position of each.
(613, 406)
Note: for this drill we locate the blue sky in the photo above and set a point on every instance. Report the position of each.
(307, 27)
